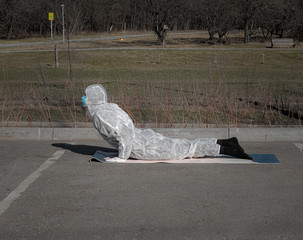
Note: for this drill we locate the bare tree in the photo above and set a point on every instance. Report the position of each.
(10, 18)
(249, 10)
(160, 28)
(22, 18)
(139, 15)
(160, 17)
(278, 17)
(219, 17)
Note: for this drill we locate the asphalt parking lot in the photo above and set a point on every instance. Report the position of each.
(50, 190)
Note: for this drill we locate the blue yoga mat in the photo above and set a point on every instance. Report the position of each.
(264, 158)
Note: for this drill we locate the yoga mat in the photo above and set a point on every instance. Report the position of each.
(105, 157)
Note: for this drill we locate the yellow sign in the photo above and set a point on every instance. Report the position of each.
(51, 16)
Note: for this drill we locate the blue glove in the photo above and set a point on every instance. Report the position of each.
(83, 100)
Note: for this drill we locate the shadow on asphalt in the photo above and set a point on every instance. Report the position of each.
(83, 149)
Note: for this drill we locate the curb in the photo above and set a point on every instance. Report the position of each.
(243, 134)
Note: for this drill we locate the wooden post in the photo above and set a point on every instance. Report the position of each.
(56, 57)
(216, 58)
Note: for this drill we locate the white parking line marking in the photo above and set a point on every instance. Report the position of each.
(15, 194)
(300, 146)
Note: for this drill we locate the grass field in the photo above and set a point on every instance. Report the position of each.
(244, 85)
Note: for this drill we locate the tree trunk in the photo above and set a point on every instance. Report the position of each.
(220, 40)
(211, 34)
(246, 34)
(41, 29)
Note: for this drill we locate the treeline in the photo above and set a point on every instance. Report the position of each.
(22, 18)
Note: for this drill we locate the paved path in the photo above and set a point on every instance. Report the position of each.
(157, 48)
(89, 39)
(72, 40)
(59, 194)
(131, 48)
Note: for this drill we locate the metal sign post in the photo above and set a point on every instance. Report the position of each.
(52, 29)
(63, 30)
(51, 18)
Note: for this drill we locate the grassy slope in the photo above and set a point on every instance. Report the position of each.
(156, 85)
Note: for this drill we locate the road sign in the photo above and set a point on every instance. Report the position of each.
(51, 19)
(51, 16)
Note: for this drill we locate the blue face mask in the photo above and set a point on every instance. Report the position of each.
(83, 100)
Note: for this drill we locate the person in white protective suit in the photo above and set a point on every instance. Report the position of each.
(118, 129)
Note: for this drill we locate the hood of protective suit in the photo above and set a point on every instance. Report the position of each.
(95, 94)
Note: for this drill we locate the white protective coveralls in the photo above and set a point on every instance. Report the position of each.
(118, 129)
